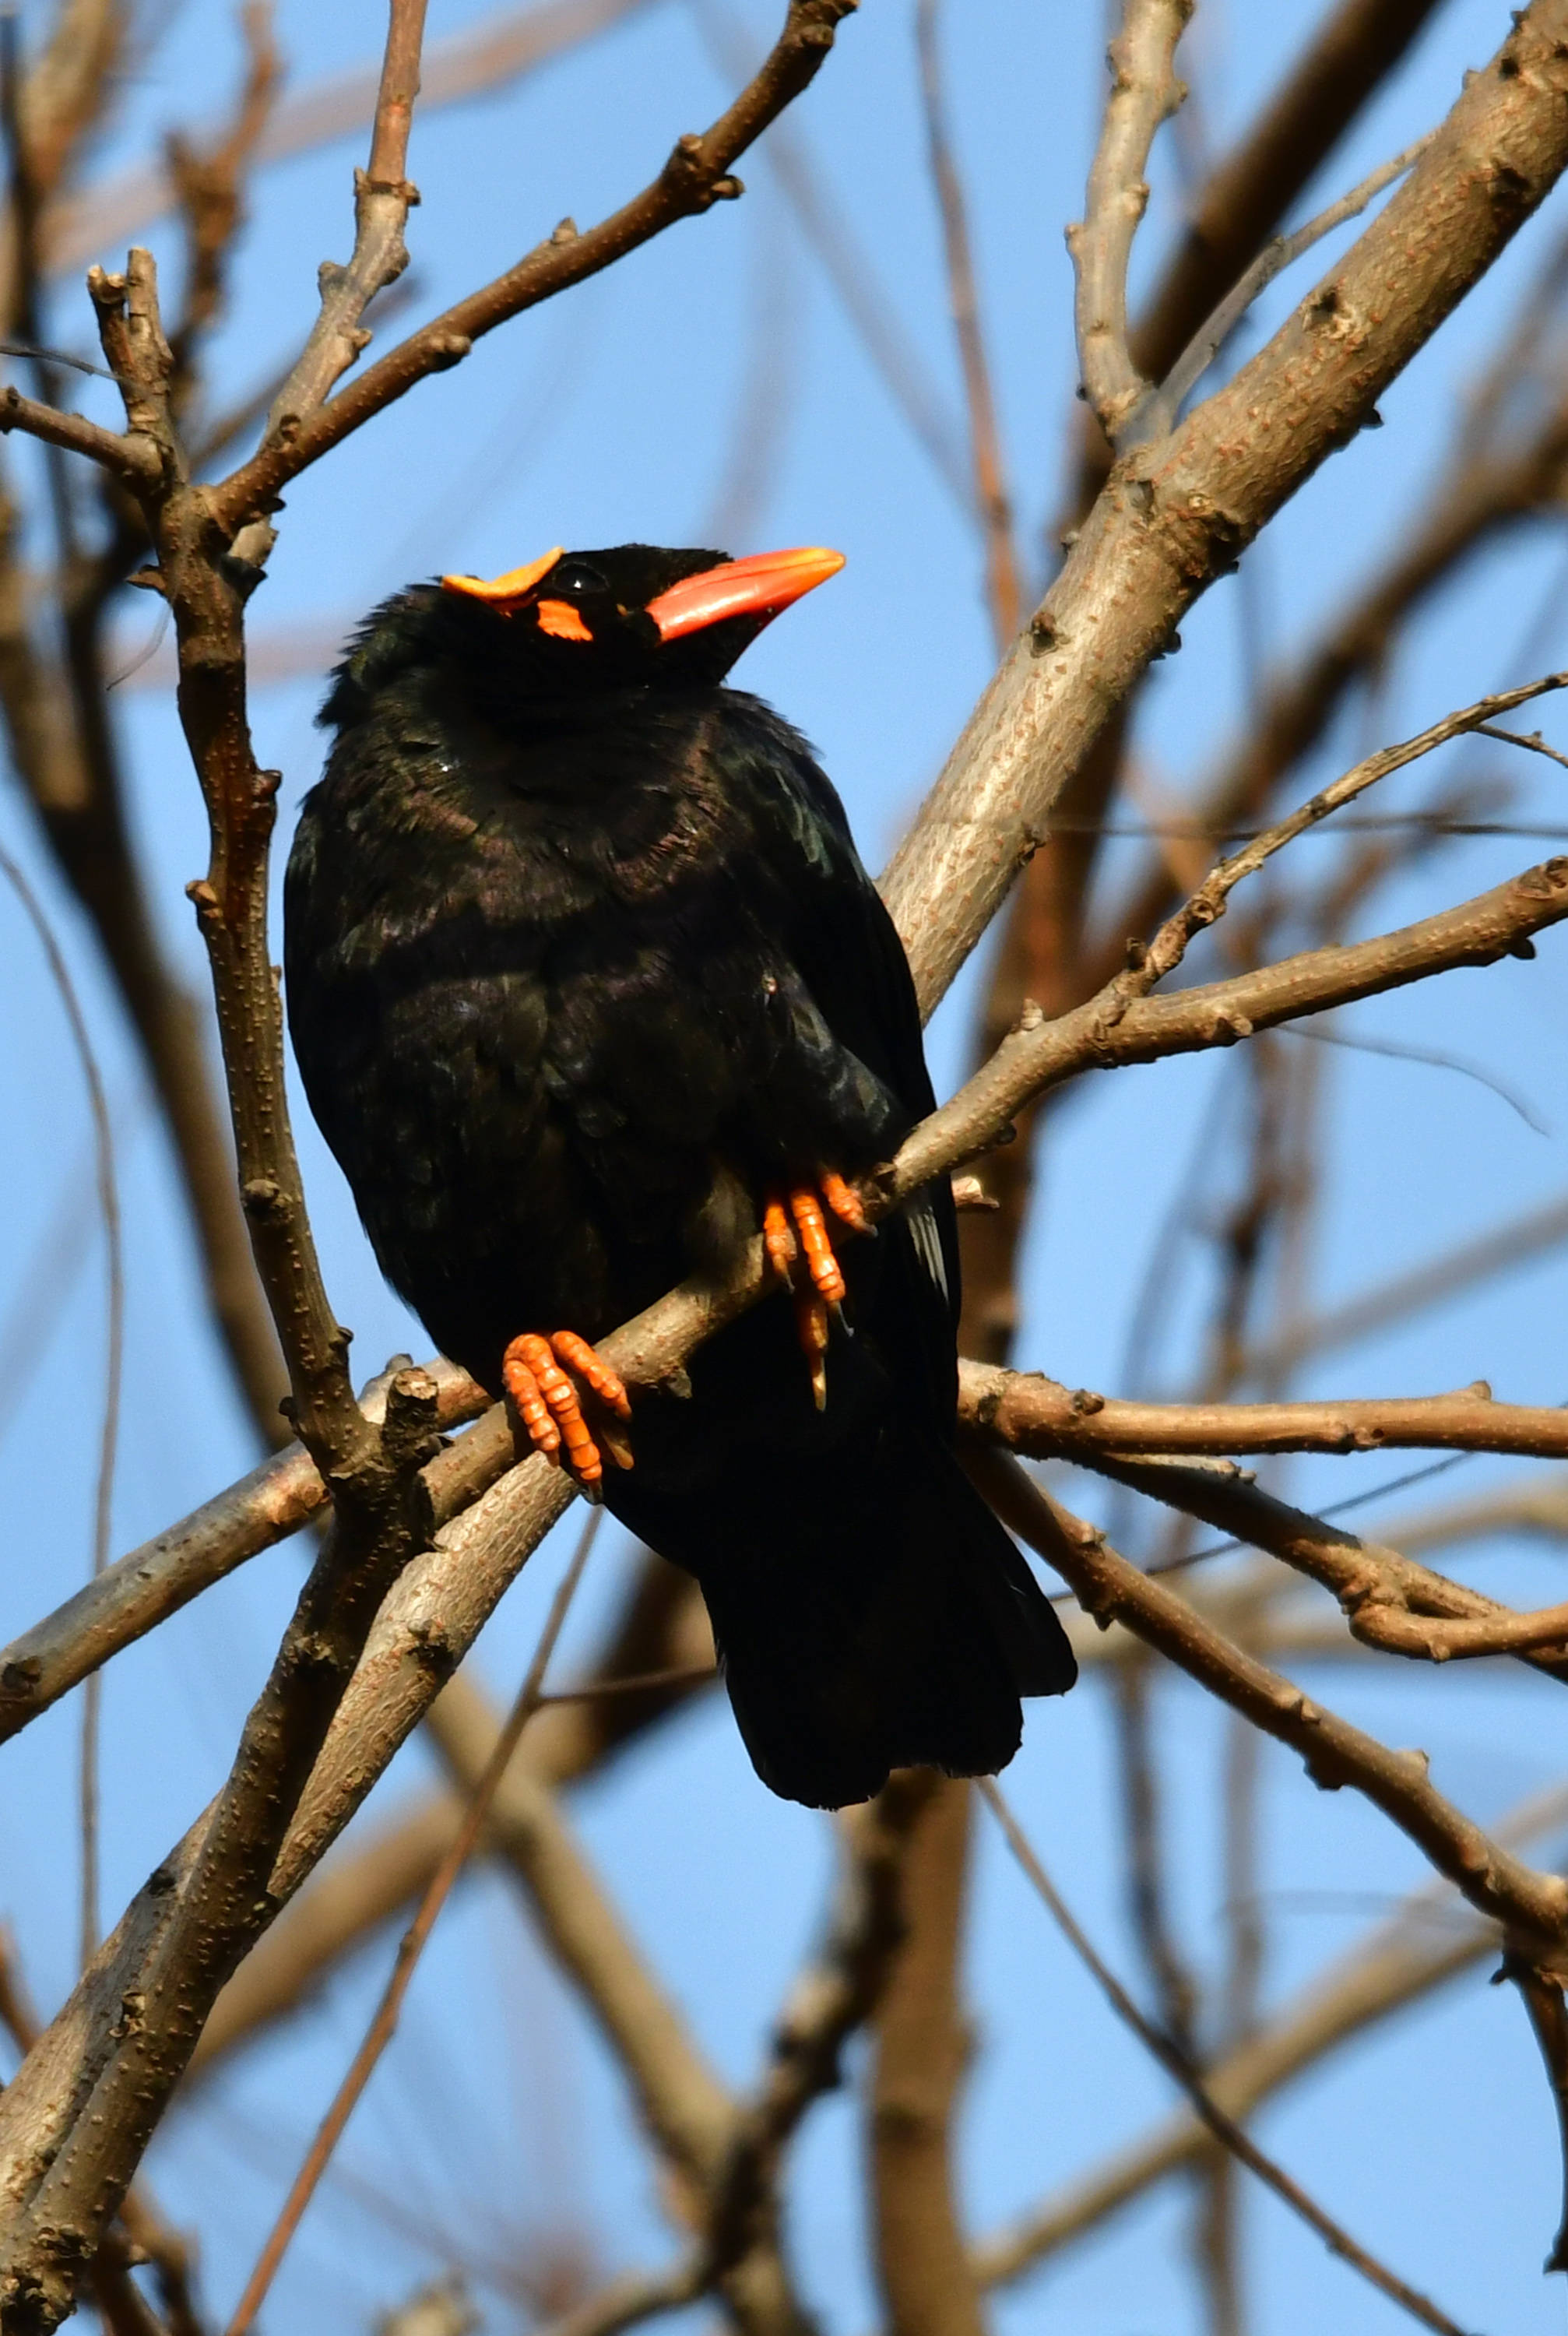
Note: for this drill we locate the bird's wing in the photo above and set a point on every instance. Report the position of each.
(847, 953)
(841, 940)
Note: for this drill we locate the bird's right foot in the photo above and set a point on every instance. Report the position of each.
(550, 1408)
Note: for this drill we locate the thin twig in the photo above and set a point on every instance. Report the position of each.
(384, 2023)
(1176, 2064)
(1169, 944)
(1426, 1940)
(482, 59)
(1464, 1267)
(1437, 1058)
(827, 222)
(383, 195)
(596, 1691)
(698, 174)
(113, 1362)
(1531, 741)
(836, 1993)
(1154, 417)
(1390, 1600)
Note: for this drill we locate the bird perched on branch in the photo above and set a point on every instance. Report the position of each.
(587, 981)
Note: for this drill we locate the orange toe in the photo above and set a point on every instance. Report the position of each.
(844, 1201)
(798, 1238)
(547, 1404)
(827, 1279)
(778, 1240)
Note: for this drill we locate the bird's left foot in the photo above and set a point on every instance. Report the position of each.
(795, 1227)
(550, 1408)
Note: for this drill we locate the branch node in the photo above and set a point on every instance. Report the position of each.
(262, 1197)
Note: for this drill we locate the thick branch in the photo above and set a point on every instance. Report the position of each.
(922, 2048)
(1348, 55)
(1459, 513)
(1175, 516)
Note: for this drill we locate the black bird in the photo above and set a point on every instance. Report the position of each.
(585, 979)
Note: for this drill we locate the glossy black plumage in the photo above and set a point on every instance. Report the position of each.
(580, 960)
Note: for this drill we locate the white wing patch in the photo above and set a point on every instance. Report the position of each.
(922, 1219)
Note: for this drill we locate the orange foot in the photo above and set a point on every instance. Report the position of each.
(550, 1409)
(794, 1227)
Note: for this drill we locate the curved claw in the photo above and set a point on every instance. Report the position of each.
(551, 1410)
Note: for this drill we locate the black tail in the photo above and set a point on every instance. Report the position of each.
(873, 1617)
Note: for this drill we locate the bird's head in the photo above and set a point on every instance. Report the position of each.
(577, 625)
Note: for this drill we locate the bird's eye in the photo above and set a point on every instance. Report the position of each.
(575, 579)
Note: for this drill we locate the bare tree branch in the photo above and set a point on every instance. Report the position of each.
(696, 176)
(1390, 1600)
(128, 458)
(836, 1993)
(1042, 1055)
(1531, 1905)
(1037, 1415)
(1350, 53)
(147, 1585)
(628, 2300)
(1542, 1993)
(499, 49)
(1179, 514)
(402, 73)
(1402, 1961)
(382, 196)
(1143, 91)
(922, 2048)
(1176, 2064)
(1155, 415)
(682, 2103)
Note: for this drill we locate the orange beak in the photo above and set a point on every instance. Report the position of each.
(759, 585)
